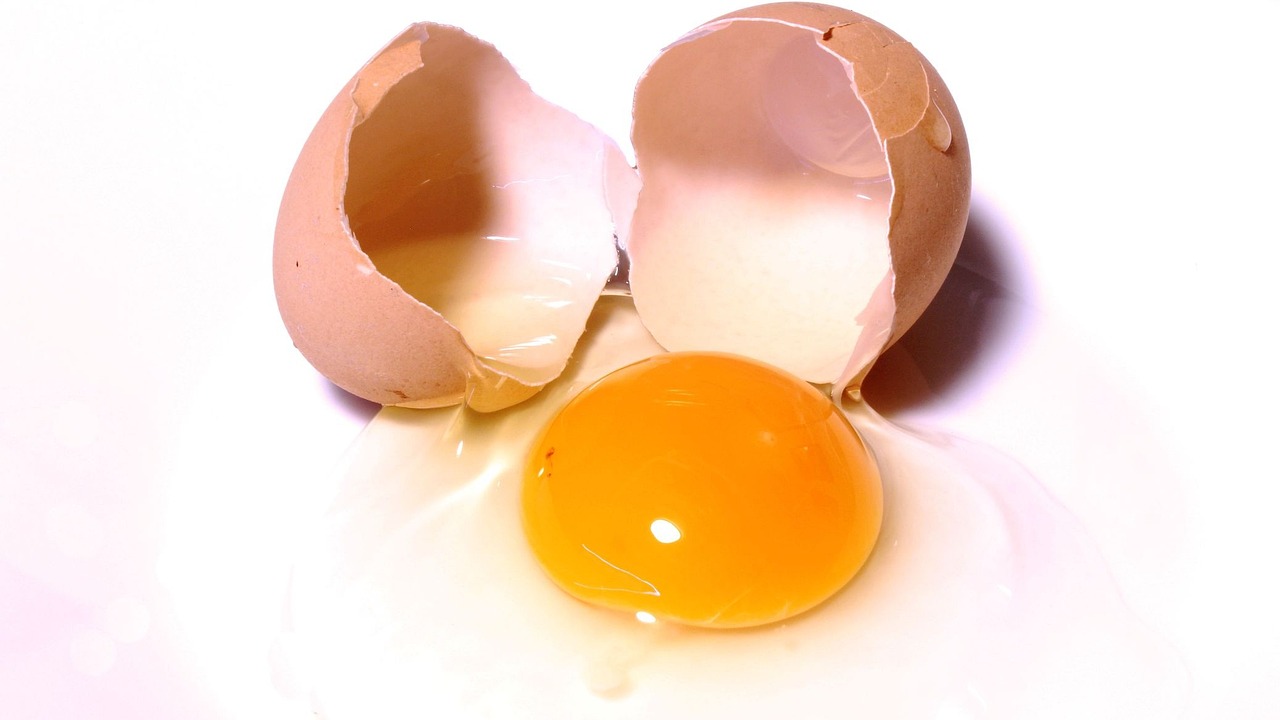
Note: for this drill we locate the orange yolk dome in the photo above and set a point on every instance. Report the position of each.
(705, 489)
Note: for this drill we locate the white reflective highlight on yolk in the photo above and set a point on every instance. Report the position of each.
(664, 531)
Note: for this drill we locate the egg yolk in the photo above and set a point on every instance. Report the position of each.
(705, 489)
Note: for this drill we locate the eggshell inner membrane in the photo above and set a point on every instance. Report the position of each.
(763, 220)
(486, 203)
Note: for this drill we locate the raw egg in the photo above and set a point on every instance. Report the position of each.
(419, 595)
(800, 190)
(708, 489)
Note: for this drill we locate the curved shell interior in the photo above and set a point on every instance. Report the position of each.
(486, 203)
(763, 217)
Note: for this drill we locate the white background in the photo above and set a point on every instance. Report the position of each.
(158, 433)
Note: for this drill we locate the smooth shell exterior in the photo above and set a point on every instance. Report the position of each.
(437, 182)
(752, 233)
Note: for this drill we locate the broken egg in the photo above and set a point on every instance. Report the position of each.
(805, 187)
(445, 232)
(419, 595)
(801, 188)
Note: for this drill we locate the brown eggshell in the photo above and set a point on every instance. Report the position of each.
(437, 182)
(738, 246)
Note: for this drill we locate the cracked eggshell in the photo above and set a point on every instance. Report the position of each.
(445, 232)
(805, 187)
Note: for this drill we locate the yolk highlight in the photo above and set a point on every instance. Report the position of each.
(702, 488)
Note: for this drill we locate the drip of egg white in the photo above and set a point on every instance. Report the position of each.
(417, 596)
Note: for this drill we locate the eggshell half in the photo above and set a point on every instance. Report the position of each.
(769, 223)
(445, 232)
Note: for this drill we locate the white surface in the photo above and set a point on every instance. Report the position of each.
(155, 420)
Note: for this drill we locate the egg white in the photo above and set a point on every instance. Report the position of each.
(418, 597)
